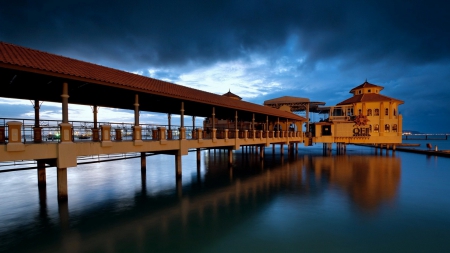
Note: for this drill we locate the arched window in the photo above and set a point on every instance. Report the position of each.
(369, 112)
(377, 112)
(376, 128)
(386, 111)
(386, 128)
(394, 128)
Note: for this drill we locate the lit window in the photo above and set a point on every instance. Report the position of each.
(377, 112)
(394, 127)
(386, 128)
(376, 128)
(369, 112)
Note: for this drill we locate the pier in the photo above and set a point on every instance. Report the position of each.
(38, 76)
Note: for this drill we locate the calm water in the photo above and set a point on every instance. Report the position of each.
(358, 202)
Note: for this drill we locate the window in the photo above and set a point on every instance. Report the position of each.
(386, 112)
(377, 112)
(386, 128)
(369, 91)
(394, 128)
(369, 112)
(395, 112)
(376, 128)
(370, 128)
(359, 91)
(359, 112)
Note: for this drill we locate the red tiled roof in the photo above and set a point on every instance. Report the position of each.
(21, 58)
(368, 97)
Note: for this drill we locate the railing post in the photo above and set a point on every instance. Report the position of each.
(162, 133)
(118, 134)
(182, 133)
(225, 134)
(199, 134)
(37, 134)
(106, 135)
(2, 134)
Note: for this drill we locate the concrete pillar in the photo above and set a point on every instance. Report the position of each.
(230, 156)
(178, 165)
(143, 162)
(182, 115)
(61, 175)
(213, 118)
(37, 130)
(136, 110)
(41, 173)
(198, 155)
(65, 103)
(236, 125)
(169, 126)
(95, 130)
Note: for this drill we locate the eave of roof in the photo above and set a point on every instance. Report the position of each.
(286, 100)
(30, 60)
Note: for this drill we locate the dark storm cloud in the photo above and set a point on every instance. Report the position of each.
(131, 34)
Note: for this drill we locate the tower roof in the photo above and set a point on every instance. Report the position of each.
(232, 95)
(366, 85)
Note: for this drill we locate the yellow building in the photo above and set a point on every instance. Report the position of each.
(366, 117)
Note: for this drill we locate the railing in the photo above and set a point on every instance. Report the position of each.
(82, 131)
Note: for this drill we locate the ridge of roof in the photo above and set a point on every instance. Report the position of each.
(56, 65)
(286, 99)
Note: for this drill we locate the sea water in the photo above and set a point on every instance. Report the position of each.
(360, 201)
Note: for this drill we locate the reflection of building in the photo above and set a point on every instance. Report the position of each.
(369, 180)
(366, 117)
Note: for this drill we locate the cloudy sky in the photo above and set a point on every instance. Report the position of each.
(257, 49)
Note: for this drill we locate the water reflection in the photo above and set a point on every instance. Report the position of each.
(370, 181)
(217, 199)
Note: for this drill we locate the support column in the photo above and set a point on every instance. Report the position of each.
(41, 173)
(178, 165)
(143, 162)
(169, 126)
(136, 110)
(65, 103)
(37, 130)
(213, 117)
(95, 130)
(137, 130)
(198, 155)
(281, 148)
(230, 156)
(182, 130)
(61, 175)
(261, 152)
(307, 117)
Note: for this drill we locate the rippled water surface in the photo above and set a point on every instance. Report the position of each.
(360, 201)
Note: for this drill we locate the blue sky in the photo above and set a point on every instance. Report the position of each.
(257, 49)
